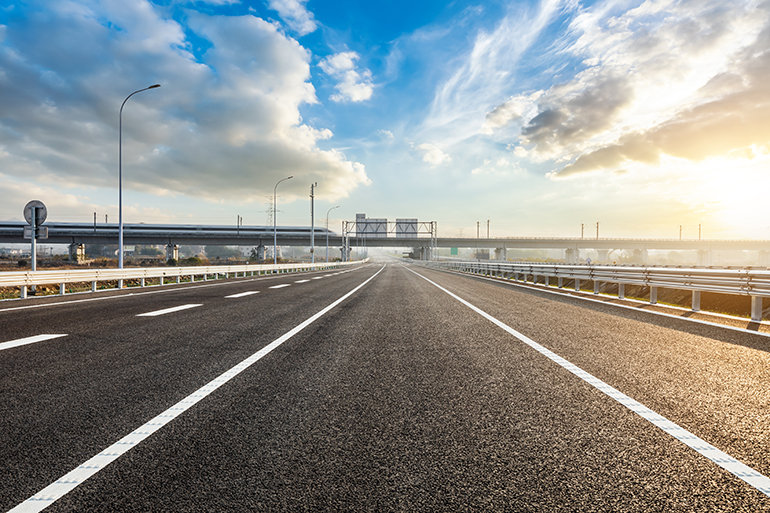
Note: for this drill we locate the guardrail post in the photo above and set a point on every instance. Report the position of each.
(93, 286)
(653, 295)
(696, 300)
(120, 284)
(62, 289)
(756, 308)
(560, 282)
(177, 278)
(23, 292)
(141, 281)
(597, 285)
(577, 284)
(621, 291)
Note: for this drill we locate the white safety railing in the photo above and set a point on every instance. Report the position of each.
(746, 282)
(25, 279)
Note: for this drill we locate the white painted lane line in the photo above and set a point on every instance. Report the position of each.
(67, 483)
(318, 278)
(243, 294)
(167, 310)
(280, 286)
(28, 340)
(724, 460)
(302, 281)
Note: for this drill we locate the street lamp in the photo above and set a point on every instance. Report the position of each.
(327, 232)
(120, 175)
(312, 222)
(275, 230)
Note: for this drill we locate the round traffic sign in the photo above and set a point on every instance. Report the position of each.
(42, 212)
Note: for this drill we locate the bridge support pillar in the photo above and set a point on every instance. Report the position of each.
(572, 255)
(77, 252)
(261, 253)
(603, 255)
(172, 251)
(501, 254)
(704, 257)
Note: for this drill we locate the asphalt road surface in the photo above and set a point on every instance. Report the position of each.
(381, 388)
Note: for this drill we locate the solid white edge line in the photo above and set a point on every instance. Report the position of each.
(579, 295)
(68, 482)
(724, 460)
(167, 310)
(242, 294)
(28, 340)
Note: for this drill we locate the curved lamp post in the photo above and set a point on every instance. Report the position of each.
(275, 230)
(327, 232)
(120, 177)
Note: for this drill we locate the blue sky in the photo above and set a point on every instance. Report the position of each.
(539, 116)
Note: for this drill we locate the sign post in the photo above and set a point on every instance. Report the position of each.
(35, 213)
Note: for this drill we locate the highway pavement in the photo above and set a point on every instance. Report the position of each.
(386, 387)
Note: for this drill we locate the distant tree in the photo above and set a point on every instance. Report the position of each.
(149, 251)
(222, 252)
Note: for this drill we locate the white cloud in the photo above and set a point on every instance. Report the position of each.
(224, 125)
(296, 16)
(352, 85)
(433, 155)
(664, 78)
(484, 74)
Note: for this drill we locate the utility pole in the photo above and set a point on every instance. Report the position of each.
(680, 232)
(597, 230)
(582, 227)
(94, 222)
(477, 229)
(487, 228)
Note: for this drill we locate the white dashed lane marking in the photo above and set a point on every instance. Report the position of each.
(167, 310)
(68, 482)
(243, 294)
(302, 281)
(27, 340)
(280, 286)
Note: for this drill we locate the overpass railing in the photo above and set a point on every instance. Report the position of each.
(150, 275)
(747, 282)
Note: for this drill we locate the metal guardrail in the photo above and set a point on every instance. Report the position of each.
(746, 282)
(25, 279)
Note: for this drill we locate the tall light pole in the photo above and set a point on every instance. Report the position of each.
(327, 232)
(275, 230)
(120, 175)
(312, 223)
